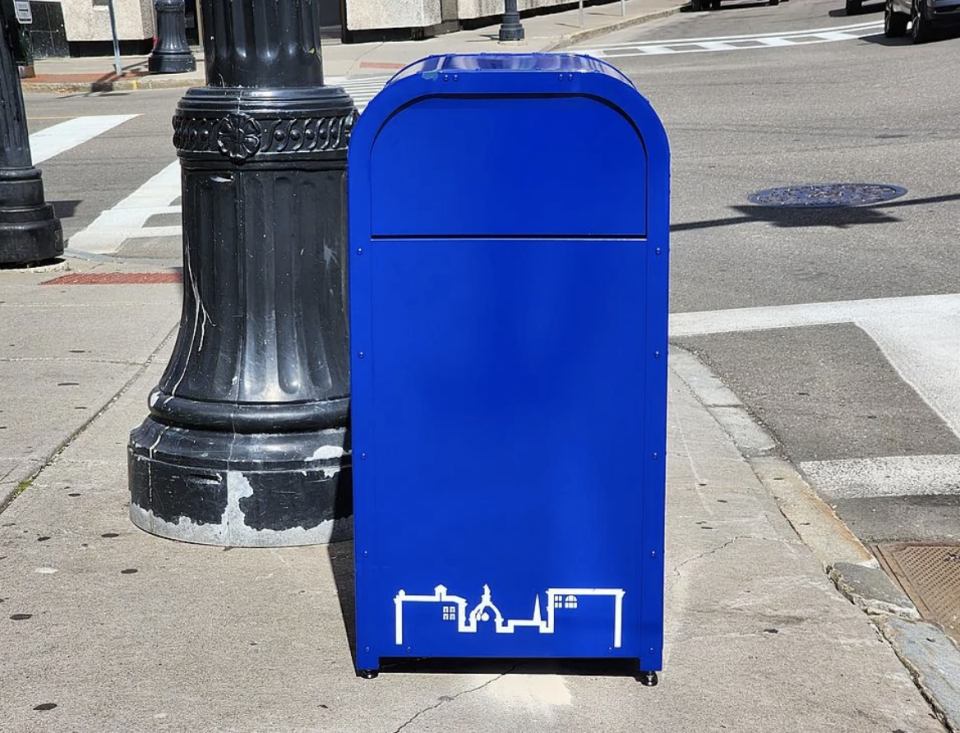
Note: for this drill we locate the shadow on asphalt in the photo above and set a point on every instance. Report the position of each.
(942, 34)
(840, 217)
(866, 10)
(726, 6)
(65, 209)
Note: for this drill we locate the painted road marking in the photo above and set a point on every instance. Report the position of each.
(362, 89)
(736, 43)
(126, 220)
(61, 137)
(863, 478)
(918, 335)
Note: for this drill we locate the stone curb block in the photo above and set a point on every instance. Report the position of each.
(934, 662)
(932, 658)
(588, 33)
(870, 588)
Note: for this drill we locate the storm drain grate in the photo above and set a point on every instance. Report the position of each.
(828, 194)
(930, 575)
(117, 278)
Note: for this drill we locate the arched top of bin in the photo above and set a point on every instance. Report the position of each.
(511, 62)
(505, 75)
(519, 145)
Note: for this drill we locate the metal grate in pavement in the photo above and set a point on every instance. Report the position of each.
(930, 575)
(117, 278)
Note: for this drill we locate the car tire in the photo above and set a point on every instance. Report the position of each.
(894, 23)
(774, 2)
(714, 4)
(698, 5)
(854, 7)
(920, 30)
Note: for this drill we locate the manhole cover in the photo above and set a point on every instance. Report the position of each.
(828, 194)
(930, 575)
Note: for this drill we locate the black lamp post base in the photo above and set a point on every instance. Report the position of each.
(511, 32)
(171, 63)
(171, 55)
(29, 229)
(240, 490)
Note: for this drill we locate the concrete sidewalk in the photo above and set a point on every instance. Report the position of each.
(106, 628)
(549, 32)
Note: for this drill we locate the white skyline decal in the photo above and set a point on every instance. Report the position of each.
(454, 608)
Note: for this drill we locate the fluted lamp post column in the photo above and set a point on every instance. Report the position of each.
(246, 441)
(30, 232)
(171, 53)
(510, 28)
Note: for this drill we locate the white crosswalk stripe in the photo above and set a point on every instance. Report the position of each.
(59, 138)
(127, 219)
(735, 43)
(362, 89)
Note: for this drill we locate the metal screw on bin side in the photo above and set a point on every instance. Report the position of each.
(30, 232)
(511, 29)
(171, 54)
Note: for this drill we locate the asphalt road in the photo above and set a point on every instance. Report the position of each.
(839, 328)
(859, 386)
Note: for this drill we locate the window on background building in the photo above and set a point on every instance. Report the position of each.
(570, 602)
(558, 601)
(449, 613)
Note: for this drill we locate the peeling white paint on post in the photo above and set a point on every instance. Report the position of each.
(329, 452)
(233, 531)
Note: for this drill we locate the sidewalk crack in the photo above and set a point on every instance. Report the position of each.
(729, 542)
(445, 699)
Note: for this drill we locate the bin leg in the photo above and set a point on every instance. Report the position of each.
(648, 679)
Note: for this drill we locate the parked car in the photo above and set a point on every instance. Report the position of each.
(925, 18)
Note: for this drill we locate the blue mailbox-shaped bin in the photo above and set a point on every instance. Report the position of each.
(508, 306)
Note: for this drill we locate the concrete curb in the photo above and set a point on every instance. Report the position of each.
(120, 85)
(932, 658)
(619, 25)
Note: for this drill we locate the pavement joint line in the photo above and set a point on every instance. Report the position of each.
(65, 359)
(8, 497)
(451, 698)
(732, 540)
(836, 547)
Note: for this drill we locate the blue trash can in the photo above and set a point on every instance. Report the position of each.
(509, 225)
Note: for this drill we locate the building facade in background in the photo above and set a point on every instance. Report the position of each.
(82, 27)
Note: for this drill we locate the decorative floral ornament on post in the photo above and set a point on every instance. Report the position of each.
(239, 136)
